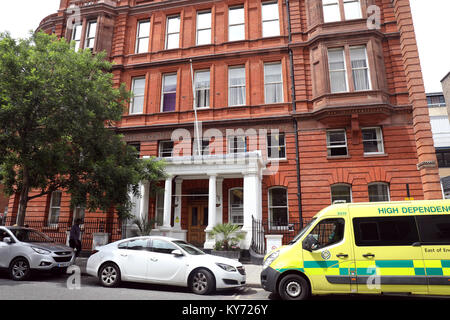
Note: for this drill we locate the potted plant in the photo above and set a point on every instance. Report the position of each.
(227, 238)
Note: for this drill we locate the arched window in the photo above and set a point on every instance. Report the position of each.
(341, 192)
(278, 206)
(379, 191)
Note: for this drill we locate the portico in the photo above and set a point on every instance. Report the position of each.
(206, 209)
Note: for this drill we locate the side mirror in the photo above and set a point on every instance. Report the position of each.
(310, 243)
(7, 240)
(177, 253)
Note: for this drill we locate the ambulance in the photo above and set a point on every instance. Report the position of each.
(366, 248)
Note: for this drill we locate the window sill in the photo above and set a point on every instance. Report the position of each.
(375, 155)
(338, 157)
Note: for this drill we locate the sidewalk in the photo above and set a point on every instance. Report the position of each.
(253, 272)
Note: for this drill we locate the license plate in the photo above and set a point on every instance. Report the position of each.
(63, 265)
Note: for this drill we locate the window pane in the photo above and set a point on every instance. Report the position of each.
(336, 143)
(434, 229)
(341, 192)
(278, 197)
(236, 83)
(169, 92)
(236, 32)
(273, 83)
(142, 45)
(236, 16)
(276, 147)
(204, 20)
(270, 20)
(352, 9)
(378, 192)
(204, 36)
(336, 61)
(173, 25)
(360, 68)
(331, 11)
(202, 83)
(328, 232)
(173, 41)
(144, 28)
(138, 89)
(397, 231)
(372, 140)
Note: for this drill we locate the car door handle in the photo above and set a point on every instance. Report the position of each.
(342, 255)
(369, 255)
(154, 259)
(124, 255)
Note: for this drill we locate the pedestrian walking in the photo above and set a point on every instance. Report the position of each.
(75, 237)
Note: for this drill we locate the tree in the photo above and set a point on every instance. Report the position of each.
(58, 108)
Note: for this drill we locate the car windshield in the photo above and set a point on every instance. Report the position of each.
(29, 235)
(189, 248)
(302, 232)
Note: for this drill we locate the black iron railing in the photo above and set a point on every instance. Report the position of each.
(261, 228)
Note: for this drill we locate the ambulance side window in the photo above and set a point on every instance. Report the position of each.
(328, 232)
(434, 229)
(395, 231)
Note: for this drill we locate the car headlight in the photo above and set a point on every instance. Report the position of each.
(226, 267)
(271, 258)
(40, 251)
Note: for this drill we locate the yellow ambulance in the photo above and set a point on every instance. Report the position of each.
(367, 248)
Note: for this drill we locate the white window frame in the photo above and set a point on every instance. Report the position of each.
(333, 4)
(236, 24)
(379, 140)
(362, 68)
(132, 105)
(139, 38)
(76, 35)
(89, 37)
(233, 145)
(341, 185)
(51, 222)
(168, 92)
(161, 151)
(168, 34)
(269, 207)
(198, 29)
(237, 86)
(341, 49)
(202, 89)
(266, 83)
(384, 184)
(265, 22)
(329, 147)
(269, 136)
(346, 9)
(159, 209)
(230, 208)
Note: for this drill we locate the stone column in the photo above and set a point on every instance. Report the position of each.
(212, 200)
(167, 203)
(178, 200)
(145, 194)
(252, 205)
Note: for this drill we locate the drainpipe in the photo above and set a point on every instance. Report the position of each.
(295, 122)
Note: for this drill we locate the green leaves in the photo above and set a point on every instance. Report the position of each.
(54, 104)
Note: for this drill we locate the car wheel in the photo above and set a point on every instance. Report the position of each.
(202, 282)
(19, 269)
(109, 275)
(293, 287)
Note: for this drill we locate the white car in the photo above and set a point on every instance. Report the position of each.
(164, 260)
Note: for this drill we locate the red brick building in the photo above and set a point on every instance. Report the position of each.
(301, 103)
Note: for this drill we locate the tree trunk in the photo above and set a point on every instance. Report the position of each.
(23, 201)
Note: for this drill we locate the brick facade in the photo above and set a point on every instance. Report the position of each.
(394, 103)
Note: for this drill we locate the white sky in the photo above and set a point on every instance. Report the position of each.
(431, 21)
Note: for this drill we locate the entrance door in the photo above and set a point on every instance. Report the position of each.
(198, 220)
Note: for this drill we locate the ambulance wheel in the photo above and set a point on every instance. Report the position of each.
(293, 287)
